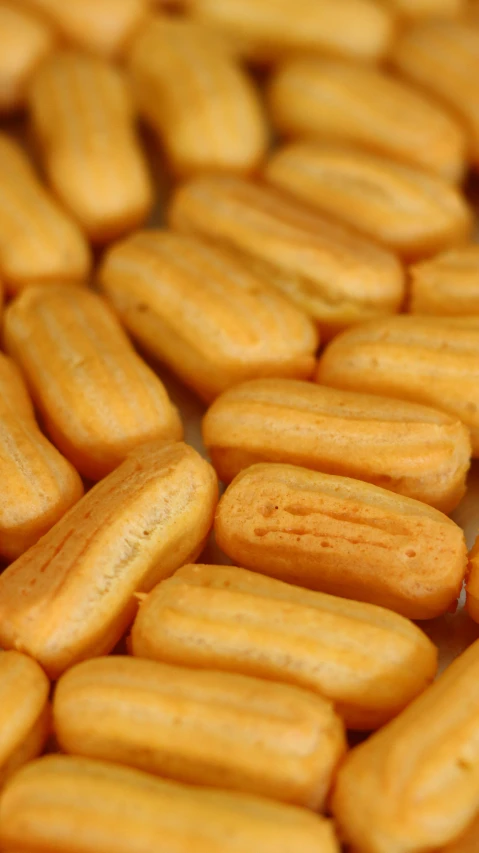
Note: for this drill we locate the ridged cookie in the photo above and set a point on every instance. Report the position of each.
(408, 210)
(84, 122)
(443, 57)
(38, 484)
(72, 595)
(104, 27)
(343, 537)
(447, 284)
(25, 715)
(39, 241)
(104, 807)
(197, 98)
(264, 30)
(203, 312)
(25, 40)
(413, 450)
(216, 729)
(338, 277)
(356, 103)
(97, 397)
(370, 662)
(414, 786)
(427, 360)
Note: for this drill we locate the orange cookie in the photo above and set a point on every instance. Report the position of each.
(408, 210)
(72, 595)
(447, 284)
(105, 807)
(203, 312)
(197, 98)
(103, 27)
(96, 395)
(265, 30)
(39, 242)
(414, 786)
(83, 117)
(336, 276)
(413, 450)
(428, 360)
(216, 729)
(443, 57)
(370, 662)
(38, 484)
(343, 537)
(356, 103)
(25, 40)
(24, 711)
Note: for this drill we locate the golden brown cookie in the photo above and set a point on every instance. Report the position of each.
(427, 360)
(406, 448)
(370, 662)
(72, 595)
(443, 57)
(84, 122)
(360, 104)
(336, 276)
(25, 40)
(265, 30)
(447, 284)
(38, 484)
(343, 537)
(215, 729)
(203, 312)
(39, 241)
(24, 711)
(105, 807)
(408, 210)
(97, 397)
(414, 786)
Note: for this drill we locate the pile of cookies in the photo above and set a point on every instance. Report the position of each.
(316, 285)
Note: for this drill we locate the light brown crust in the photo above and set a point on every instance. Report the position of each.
(203, 312)
(366, 106)
(408, 210)
(413, 450)
(443, 57)
(265, 30)
(197, 98)
(38, 484)
(24, 711)
(72, 595)
(338, 277)
(427, 360)
(97, 397)
(370, 662)
(343, 537)
(39, 242)
(214, 729)
(414, 786)
(105, 807)
(83, 118)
